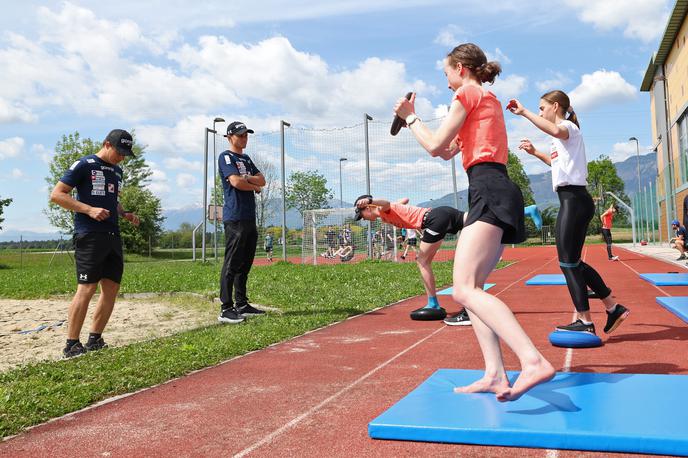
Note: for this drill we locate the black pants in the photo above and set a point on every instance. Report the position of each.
(575, 212)
(241, 238)
(607, 234)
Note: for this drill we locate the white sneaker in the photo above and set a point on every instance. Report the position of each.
(614, 258)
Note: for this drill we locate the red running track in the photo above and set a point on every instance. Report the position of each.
(314, 395)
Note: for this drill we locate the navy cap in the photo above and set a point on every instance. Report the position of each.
(122, 141)
(237, 128)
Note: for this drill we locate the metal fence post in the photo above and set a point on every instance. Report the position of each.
(366, 118)
(456, 192)
(284, 191)
(205, 187)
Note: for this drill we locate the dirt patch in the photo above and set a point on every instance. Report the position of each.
(35, 330)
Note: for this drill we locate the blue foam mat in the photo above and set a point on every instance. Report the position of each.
(448, 291)
(575, 411)
(547, 279)
(666, 279)
(676, 305)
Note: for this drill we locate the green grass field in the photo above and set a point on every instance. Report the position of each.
(309, 297)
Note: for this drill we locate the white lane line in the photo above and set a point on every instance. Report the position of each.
(314, 409)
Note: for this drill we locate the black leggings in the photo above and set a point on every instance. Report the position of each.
(607, 234)
(575, 212)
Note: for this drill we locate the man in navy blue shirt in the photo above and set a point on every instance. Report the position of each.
(97, 244)
(240, 181)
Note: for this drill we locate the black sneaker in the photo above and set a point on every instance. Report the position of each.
(578, 326)
(72, 351)
(615, 318)
(95, 346)
(459, 319)
(248, 310)
(682, 257)
(230, 316)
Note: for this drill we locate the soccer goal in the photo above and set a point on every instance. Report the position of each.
(331, 235)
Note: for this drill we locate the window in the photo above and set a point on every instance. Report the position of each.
(683, 146)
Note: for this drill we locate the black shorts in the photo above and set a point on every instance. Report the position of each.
(268, 248)
(98, 255)
(494, 199)
(440, 221)
(412, 242)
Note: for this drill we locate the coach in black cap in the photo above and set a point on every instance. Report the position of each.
(97, 244)
(240, 181)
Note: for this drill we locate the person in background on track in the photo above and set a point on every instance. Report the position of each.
(607, 221)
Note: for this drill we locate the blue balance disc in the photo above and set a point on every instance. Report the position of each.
(574, 339)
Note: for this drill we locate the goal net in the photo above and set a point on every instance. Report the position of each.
(331, 235)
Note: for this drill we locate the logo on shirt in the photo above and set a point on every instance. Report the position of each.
(91, 161)
(228, 161)
(83, 276)
(111, 188)
(554, 153)
(242, 168)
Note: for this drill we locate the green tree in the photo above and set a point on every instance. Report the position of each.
(514, 168)
(3, 203)
(307, 191)
(147, 207)
(602, 178)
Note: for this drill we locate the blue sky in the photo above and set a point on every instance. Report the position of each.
(168, 68)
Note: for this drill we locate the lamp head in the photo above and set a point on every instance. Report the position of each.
(218, 120)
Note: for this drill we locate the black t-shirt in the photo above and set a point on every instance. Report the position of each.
(97, 184)
(239, 205)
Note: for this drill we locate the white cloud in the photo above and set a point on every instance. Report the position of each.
(16, 173)
(45, 154)
(11, 147)
(508, 88)
(178, 163)
(15, 113)
(185, 180)
(641, 19)
(451, 36)
(557, 81)
(600, 88)
(159, 183)
(623, 150)
(497, 55)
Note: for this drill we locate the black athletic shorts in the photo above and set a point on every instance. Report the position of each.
(98, 255)
(440, 221)
(495, 199)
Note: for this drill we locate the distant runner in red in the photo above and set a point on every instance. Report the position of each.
(607, 218)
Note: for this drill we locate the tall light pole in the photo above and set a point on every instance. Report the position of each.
(341, 198)
(637, 151)
(216, 120)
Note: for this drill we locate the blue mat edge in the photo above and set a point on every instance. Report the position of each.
(540, 440)
(682, 314)
(647, 277)
(533, 282)
(447, 291)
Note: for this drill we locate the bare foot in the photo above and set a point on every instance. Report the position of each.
(528, 378)
(486, 385)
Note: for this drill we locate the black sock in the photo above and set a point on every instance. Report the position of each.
(71, 342)
(93, 337)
